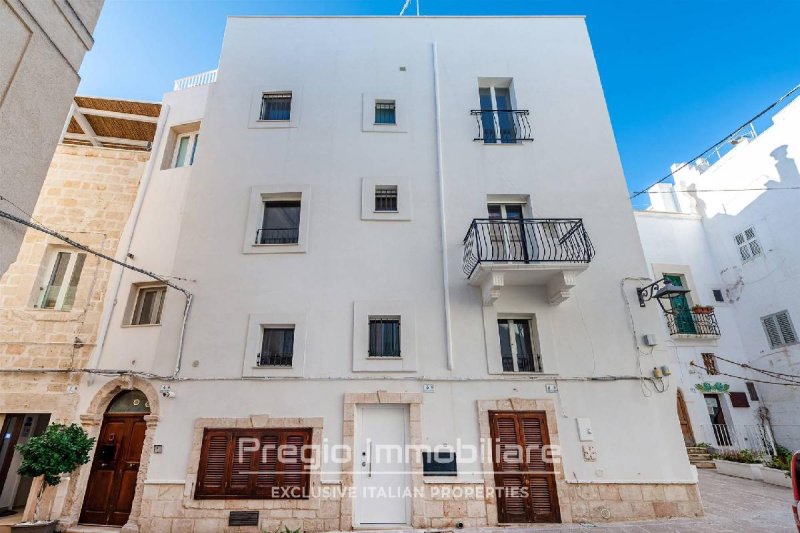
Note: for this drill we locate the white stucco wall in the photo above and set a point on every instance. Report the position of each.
(194, 220)
(42, 44)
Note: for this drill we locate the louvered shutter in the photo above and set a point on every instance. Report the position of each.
(541, 482)
(294, 474)
(508, 466)
(213, 471)
(772, 331)
(243, 464)
(267, 465)
(785, 327)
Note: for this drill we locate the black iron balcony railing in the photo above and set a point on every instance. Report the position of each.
(530, 240)
(501, 126)
(686, 322)
(525, 363)
(274, 359)
(277, 236)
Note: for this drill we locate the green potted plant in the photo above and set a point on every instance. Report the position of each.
(59, 450)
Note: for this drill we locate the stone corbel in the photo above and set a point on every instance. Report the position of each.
(560, 285)
(490, 287)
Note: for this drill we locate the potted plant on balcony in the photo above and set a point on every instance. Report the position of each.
(59, 450)
(702, 309)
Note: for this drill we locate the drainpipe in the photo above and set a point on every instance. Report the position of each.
(125, 245)
(442, 217)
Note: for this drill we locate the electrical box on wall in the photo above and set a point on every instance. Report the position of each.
(585, 429)
(649, 339)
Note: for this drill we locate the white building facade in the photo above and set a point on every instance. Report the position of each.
(394, 234)
(726, 229)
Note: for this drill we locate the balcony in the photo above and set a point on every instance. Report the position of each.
(548, 252)
(502, 127)
(691, 324)
(203, 78)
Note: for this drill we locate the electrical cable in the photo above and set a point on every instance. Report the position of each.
(770, 373)
(711, 148)
(692, 363)
(726, 190)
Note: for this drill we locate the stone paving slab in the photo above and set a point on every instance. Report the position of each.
(732, 505)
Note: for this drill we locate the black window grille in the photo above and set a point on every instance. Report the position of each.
(385, 113)
(276, 106)
(386, 198)
(384, 337)
(281, 223)
(516, 346)
(277, 347)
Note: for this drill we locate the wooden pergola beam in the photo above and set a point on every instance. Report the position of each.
(117, 114)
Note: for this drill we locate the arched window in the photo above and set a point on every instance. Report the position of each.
(131, 401)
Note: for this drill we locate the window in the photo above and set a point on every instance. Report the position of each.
(748, 244)
(62, 282)
(385, 112)
(386, 198)
(281, 223)
(516, 346)
(739, 399)
(277, 346)
(497, 118)
(185, 150)
(276, 106)
(147, 309)
(254, 464)
(751, 390)
(710, 364)
(718, 296)
(779, 329)
(384, 337)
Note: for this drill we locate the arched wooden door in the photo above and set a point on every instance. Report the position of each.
(683, 418)
(112, 481)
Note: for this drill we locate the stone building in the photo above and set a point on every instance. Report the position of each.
(51, 297)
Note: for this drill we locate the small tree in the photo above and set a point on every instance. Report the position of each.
(59, 450)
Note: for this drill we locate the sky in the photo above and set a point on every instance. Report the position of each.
(678, 75)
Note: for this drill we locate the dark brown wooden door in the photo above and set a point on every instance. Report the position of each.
(526, 483)
(112, 481)
(683, 418)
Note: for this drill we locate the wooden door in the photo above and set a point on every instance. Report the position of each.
(112, 481)
(524, 479)
(12, 425)
(683, 418)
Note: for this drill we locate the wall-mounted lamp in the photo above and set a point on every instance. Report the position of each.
(662, 289)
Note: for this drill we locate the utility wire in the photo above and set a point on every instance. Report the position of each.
(726, 190)
(64, 238)
(791, 384)
(771, 373)
(715, 145)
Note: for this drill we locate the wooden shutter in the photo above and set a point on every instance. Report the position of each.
(213, 474)
(771, 328)
(739, 399)
(233, 465)
(786, 328)
(519, 463)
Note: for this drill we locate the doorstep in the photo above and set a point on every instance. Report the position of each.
(81, 528)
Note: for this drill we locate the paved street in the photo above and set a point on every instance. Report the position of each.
(732, 505)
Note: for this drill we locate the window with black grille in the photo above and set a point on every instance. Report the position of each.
(281, 223)
(710, 363)
(385, 112)
(277, 347)
(718, 296)
(386, 198)
(276, 106)
(384, 337)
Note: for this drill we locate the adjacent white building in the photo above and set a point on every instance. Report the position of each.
(726, 229)
(395, 231)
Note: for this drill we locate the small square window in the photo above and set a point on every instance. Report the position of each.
(747, 242)
(779, 329)
(710, 364)
(277, 346)
(148, 306)
(386, 198)
(516, 346)
(385, 112)
(718, 296)
(280, 224)
(62, 283)
(276, 106)
(384, 337)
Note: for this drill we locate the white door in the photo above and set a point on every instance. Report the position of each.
(382, 472)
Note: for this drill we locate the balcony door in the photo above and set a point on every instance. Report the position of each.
(496, 116)
(507, 233)
(684, 322)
